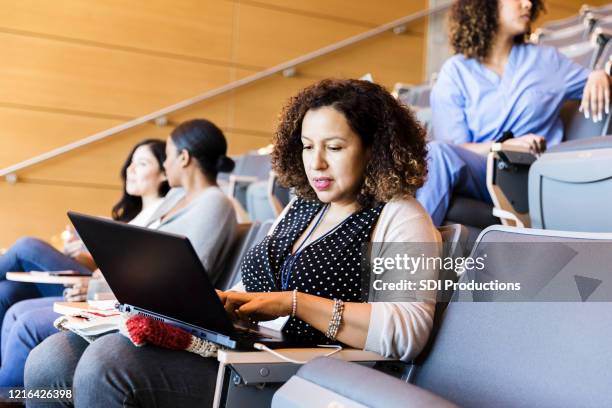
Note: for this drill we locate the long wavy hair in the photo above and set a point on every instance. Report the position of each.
(129, 206)
(473, 24)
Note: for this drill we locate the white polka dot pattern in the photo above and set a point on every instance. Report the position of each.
(330, 266)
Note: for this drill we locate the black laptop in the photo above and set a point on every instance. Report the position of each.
(159, 275)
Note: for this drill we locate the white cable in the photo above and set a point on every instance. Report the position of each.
(259, 346)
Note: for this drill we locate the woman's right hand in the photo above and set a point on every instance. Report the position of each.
(596, 96)
(536, 144)
(222, 296)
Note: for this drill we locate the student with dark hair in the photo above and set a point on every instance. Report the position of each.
(196, 208)
(496, 84)
(132, 202)
(195, 152)
(355, 157)
(28, 322)
(144, 186)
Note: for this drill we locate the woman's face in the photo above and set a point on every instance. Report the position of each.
(173, 164)
(143, 175)
(514, 16)
(333, 155)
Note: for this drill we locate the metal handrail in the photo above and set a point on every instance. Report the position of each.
(9, 172)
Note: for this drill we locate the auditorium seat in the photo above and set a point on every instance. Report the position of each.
(547, 345)
(247, 235)
(562, 38)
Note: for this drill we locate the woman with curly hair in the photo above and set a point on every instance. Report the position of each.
(355, 158)
(497, 83)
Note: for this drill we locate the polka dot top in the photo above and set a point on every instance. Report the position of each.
(330, 267)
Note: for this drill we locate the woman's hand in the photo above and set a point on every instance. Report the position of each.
(256, 305)
(536, 144)
(596, 96)
(73, 248)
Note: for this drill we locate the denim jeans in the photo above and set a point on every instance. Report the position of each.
(112, 372)
(30, 254)
(26, 325)
(452, 169)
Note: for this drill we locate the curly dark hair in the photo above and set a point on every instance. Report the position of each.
(473, 24)
(389, 129)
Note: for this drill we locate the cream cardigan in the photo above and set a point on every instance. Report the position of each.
(398, 329)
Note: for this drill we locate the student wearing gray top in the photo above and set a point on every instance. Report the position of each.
(355, 157)
(195, 152)
(195, 208)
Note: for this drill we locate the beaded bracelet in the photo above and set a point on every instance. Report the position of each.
(336, 320)
(294, 303)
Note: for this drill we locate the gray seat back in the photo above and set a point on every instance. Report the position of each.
(255, 235)
(519, 354)
(257, 203)
(556, 25)
(455, 240)
(570, 187)
(253, 165)
(564, 37)
(245, 235)
(576, 126)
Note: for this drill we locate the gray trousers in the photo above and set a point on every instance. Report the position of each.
(112, 372)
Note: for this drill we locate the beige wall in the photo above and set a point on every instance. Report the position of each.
(72, 67)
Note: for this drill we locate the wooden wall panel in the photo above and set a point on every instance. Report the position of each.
(40, 210)
(358, 12)
(260, 114)
(291, 35)
(96, 164)
(71, 68)
(196, 28)
(390, 58)
(28, 133)
(99, 164)
(56, 74)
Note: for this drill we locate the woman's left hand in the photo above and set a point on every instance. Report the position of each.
(596, 96)
(258, 305)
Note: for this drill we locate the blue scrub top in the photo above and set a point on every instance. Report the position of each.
(471, 103)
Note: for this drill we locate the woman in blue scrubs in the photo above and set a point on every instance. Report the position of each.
(497, 83)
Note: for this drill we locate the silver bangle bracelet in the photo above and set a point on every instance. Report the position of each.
(336, 320)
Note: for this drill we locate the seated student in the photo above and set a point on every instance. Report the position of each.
(355, 157)
(196, 151)
(33, 254)
(497, 83)
(28, 322)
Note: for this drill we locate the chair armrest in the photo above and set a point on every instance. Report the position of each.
(326, 380)
(304, 354)
(262, 367)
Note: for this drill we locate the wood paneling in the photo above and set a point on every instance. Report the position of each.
(40, 210)
(267, 37)
(362, 12)
(28, 133)
(71, 68)
(390, 58)
(196, 28)
(55, 74)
